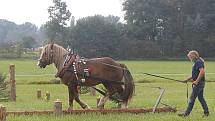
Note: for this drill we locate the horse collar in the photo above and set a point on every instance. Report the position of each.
(75, 70)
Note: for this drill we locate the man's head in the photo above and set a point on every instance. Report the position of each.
(193, 55)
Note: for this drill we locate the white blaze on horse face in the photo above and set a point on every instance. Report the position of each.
(41, 56)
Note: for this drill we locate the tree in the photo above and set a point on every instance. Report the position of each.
(56, 27)
(148, 20)
(176, 26)
(29, 42)
(11, 50)
(95, 36)
(11, 32)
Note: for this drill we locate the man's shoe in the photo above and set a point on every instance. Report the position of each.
(206, 115)
(183, 115)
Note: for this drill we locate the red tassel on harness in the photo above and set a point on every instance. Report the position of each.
(89, 69)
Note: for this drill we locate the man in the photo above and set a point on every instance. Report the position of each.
(198, 83)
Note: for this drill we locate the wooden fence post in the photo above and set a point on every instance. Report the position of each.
(12, 83)
(58, 108)
(3, 113)
(39, 94)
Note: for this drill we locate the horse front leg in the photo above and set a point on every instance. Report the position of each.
(78, 100)
(73, 94)
(81, 103)
(71, 97)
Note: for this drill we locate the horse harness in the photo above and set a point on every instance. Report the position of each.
(82, 72)
(70, 64)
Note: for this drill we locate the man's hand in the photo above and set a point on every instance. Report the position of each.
(195, 82)
(185, 81)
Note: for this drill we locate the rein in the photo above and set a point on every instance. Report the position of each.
(163, 77)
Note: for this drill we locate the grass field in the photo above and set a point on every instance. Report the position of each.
(175, 93)
(28, 72)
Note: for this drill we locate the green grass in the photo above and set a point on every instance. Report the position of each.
(166, 67)
(145, 97)
(28, 72)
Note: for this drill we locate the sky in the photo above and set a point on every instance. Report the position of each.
(35, 11)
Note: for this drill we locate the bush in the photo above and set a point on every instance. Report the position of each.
(11, 50)
(4, 92)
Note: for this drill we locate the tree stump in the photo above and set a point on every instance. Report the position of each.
(3, 113)
(58, 108)
(39, 94)
(47, 96)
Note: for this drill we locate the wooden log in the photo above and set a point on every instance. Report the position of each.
(3, 113)
(12, 83)
(102, 111)
(58, 108)
(39, 94)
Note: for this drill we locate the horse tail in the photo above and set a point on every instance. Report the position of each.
(129, 86)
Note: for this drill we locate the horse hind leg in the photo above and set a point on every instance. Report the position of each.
(123, 105)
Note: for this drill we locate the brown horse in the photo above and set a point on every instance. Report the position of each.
(104, 71)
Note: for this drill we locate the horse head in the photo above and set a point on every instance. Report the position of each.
(46, 57)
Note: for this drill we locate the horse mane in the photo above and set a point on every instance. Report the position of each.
(58, 54)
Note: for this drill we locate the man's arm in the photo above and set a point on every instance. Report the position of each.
(201, 74)
(188, 79)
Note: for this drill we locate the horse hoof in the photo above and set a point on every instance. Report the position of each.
(100, 107)
(86, 107)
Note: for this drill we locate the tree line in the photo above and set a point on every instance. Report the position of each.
(14, 39)
(152, 29)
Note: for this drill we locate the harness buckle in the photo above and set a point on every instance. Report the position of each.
(86, 72)
(83, 80)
